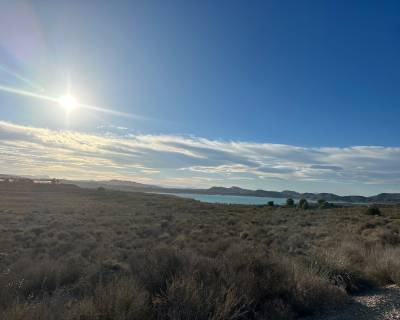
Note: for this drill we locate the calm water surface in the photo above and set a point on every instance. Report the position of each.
(215, 198)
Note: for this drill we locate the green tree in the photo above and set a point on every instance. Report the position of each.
(290, 202)
(303, 204)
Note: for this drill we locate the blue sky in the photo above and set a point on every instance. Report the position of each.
(227, 82)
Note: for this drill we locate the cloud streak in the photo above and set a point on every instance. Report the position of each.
(190, 161)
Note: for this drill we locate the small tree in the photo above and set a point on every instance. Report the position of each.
(303, 204)
(270, 203)
(290, 202)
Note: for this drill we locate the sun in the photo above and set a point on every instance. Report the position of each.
(68, 102)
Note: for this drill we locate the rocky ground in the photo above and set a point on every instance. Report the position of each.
(379, 304)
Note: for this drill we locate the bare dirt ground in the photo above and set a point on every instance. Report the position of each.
(378, 304)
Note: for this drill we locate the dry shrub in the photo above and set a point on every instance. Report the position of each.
(119, 299)
(382, 264)
(315, 294)
(184, 298)
(130, 255)
(16, 311)
(355, 266)
(33, 280)
(241, 285)
(341, 266)
(156, 268)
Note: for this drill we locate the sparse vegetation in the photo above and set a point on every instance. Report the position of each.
(69, 253)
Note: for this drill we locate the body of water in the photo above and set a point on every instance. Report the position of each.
(216, 198)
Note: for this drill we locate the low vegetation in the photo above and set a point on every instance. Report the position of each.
(70, 253)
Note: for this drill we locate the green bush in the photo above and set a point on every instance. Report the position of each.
(270, 203)
(323, 204)
(373, 211)
(290, 202)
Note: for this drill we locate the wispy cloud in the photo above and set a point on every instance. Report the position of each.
(181, 160)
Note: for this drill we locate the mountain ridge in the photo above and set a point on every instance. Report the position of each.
(125, 185)
(237, 191)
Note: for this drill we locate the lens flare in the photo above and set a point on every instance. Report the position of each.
(68, 102)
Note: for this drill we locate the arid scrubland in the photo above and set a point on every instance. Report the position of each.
(70, 253)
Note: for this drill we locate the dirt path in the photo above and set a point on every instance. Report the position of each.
(379, 304)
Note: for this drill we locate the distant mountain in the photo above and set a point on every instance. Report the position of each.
(237, 191)
(233, 191)
(11, 176)
(112, 184)
(255, 193)
(127, 184)
(386, 197)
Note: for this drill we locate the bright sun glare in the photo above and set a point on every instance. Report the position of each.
(68, 102)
